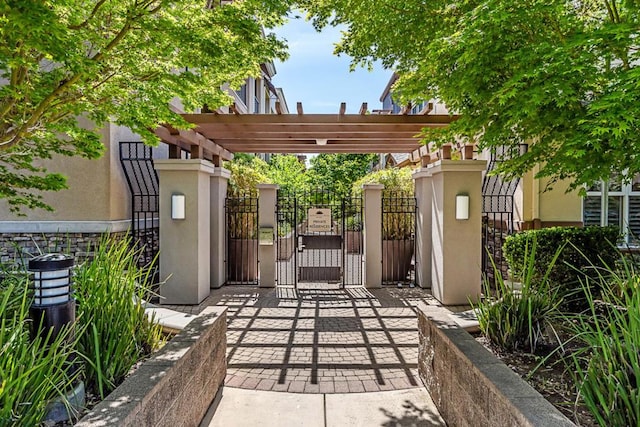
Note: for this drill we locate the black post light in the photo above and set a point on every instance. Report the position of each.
(53, 305)
(53, 309)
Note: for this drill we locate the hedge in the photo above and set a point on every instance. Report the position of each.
(584, 250)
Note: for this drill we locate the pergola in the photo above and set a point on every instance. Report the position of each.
(217, 136)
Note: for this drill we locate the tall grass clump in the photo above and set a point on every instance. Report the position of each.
(607, 367)
(516, 318)
(32, 371)
(110, 291)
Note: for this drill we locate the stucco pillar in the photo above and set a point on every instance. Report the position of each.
(456, 263)
(218, 225)
(185, 243)
(372, 235)
(422, 178)
(267, 194)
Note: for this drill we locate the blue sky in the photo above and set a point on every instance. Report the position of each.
(320, 80)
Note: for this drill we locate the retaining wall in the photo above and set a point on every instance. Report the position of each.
(469, 385)
(176, 386)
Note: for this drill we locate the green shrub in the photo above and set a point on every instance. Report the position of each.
(31, 373)
(584, 252)
(607, 368)
(110, 290)
(517, 318)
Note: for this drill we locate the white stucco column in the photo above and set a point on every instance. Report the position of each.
(456, 263)
(372, 235)
(185, 243)
(218, 225)
(422, 179)
(267, 194)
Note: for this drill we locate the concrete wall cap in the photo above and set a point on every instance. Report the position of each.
(184, 165)
(222, 173)
(267, 186)
(421, 173)
(372, 186)
(458, 166)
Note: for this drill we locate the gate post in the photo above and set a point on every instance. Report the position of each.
(219, 180)
(184, 233)
(456, 243)
(267, 194)
(372, 235)
(424, 196)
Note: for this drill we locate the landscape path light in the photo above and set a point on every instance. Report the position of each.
(54, 309)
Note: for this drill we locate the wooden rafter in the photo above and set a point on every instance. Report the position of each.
(223, 134)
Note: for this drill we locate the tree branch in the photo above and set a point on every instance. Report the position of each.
(91, 15)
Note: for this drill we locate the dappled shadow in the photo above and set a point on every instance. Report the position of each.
(322, 339)
(413, 416)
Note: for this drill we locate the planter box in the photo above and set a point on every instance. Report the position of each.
(286, 246)
(353, 241)
(469, 385)
(242, 260)
(396, 255)
(176, 386)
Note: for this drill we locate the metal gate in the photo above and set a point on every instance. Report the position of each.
(136, 159)
(319, 238)
(242, 239)
(398, 239)
(497, 212)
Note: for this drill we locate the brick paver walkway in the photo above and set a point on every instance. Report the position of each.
(320, 340)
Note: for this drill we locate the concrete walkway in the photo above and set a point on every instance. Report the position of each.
(322, 356)
(240, 408)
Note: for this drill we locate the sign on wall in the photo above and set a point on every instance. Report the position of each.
(319, 220)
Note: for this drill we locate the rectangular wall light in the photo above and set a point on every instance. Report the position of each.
(462, 207)
(177, 206)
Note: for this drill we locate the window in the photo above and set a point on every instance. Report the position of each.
(615, 203)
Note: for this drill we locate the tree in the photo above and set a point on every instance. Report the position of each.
(288, 172)
(562, 75)
(338, 172)
(114, 60)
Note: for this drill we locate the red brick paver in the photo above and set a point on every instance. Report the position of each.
(324, 340)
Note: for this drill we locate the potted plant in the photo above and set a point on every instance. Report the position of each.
(242, 219)
(398, 220)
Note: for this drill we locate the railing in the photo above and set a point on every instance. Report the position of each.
(398, 239)
(137, 162)
(498, 212)
(242, 239)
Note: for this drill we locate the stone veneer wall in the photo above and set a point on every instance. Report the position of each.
(469, 385)
(176, 386)
(17, 248)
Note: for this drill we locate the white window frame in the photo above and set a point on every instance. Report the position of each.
(626, 191)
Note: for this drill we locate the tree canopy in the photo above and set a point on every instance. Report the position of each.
(562, 75)
(338, 172)
(115, 60)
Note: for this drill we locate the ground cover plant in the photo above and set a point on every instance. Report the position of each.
(517, 318)
(111, 335)
(589, 363)
(606, 368)
(32, 371)
(111, 291)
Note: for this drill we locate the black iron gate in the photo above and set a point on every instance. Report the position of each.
(319, 238)
(242, 239)
(398, 239)
(497, 212)
(137, 162)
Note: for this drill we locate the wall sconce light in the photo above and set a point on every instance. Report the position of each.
(177, 206)
(322, 141)
(462, 207)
